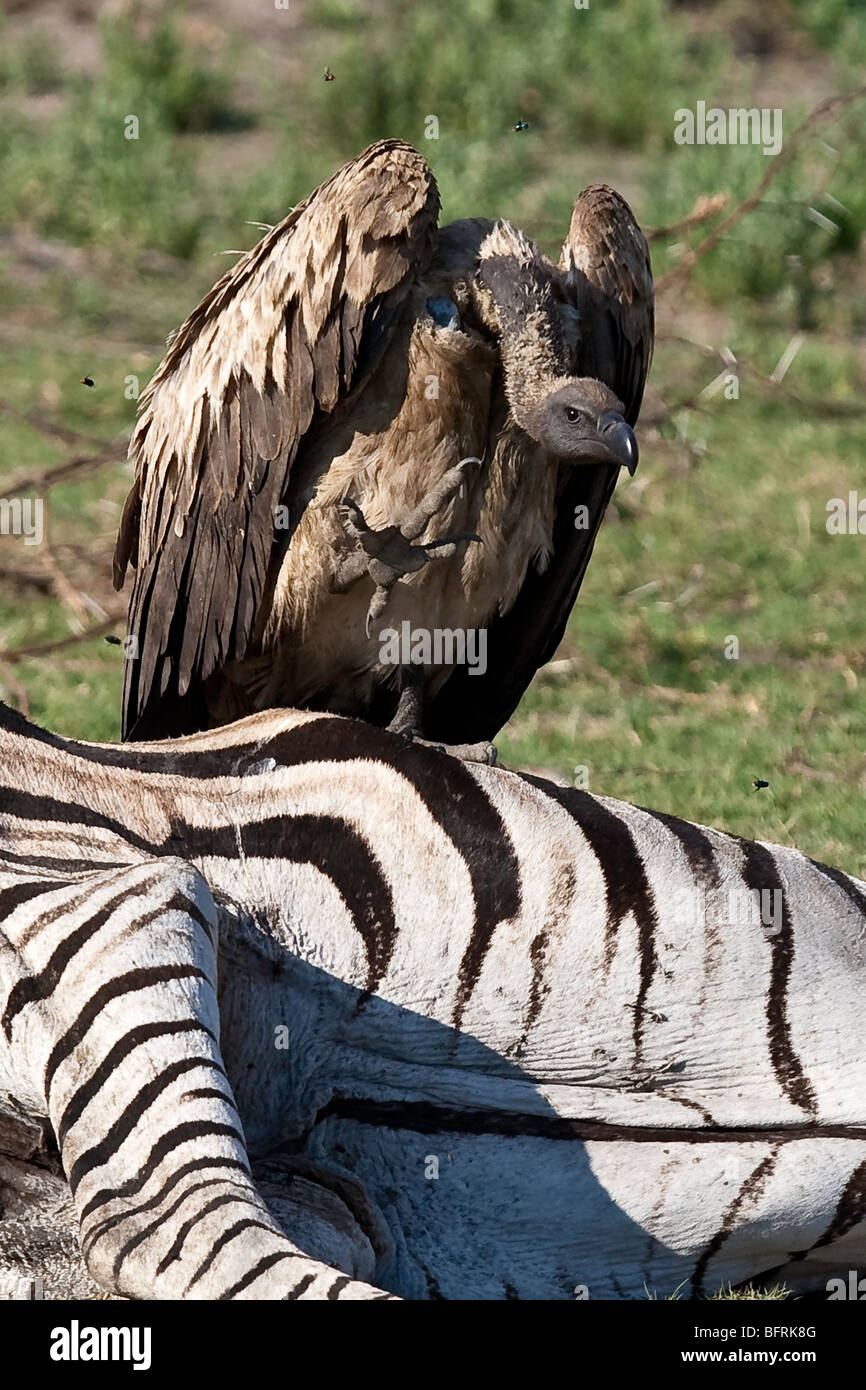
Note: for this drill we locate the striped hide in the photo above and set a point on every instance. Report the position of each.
(480, 1037)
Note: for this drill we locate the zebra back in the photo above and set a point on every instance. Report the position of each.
(452, 951)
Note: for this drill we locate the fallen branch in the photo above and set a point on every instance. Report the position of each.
(25, 579)
(824, 111)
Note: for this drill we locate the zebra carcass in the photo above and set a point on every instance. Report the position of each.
(480, 1036)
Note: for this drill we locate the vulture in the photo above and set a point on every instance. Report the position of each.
(372, 426)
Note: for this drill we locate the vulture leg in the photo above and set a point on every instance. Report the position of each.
(408, 720)
(482, 752)
(407, 716)
(388, 555)
(384, 577)
(436, 498)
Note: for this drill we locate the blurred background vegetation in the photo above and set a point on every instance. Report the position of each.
(107, 243)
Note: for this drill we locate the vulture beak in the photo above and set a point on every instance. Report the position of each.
(618, 438)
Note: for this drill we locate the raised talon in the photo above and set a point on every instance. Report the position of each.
(390, 552)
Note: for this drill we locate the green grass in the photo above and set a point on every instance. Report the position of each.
(609, 77)
(699, 548)
(727, 1294)
(776, 1294)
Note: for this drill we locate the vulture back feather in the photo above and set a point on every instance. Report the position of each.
(284, 336)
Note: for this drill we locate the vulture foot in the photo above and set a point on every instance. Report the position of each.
(389, 555)
(467, 752)
(407, 721)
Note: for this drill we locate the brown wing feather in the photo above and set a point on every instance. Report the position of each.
(288, 332)
(605, 261)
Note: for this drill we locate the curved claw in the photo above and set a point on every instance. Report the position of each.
(378, 604)
(452, 541)
(357, 517)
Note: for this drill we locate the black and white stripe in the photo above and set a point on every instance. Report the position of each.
(544, 994)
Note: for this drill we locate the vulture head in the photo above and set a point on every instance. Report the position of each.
(576, 419)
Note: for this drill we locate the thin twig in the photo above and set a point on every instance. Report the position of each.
(44, 648)
(49, 428)
(706, 206)
(108, 348)
(63, 589)
(40, 482)
(15, 689)
(838, 410)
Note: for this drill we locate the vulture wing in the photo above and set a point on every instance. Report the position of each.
(287, 334)
(605, 261)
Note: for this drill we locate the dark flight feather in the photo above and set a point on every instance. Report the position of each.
(219, 430)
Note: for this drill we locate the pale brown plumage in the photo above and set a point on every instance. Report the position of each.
(315, 372)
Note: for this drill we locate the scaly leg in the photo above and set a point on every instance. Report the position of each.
(408, 720)
(436, 498)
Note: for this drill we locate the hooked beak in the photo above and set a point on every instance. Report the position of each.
(618, 438)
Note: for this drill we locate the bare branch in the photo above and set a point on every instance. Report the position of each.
(706, 206)
(39, 482)
(49, 428)
(45, 648)
(819, 405)
(24, 579)
(825, 111)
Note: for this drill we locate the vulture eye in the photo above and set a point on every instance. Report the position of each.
(572, 414)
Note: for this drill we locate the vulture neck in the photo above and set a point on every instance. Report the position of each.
(535, 364)
(516, 295)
